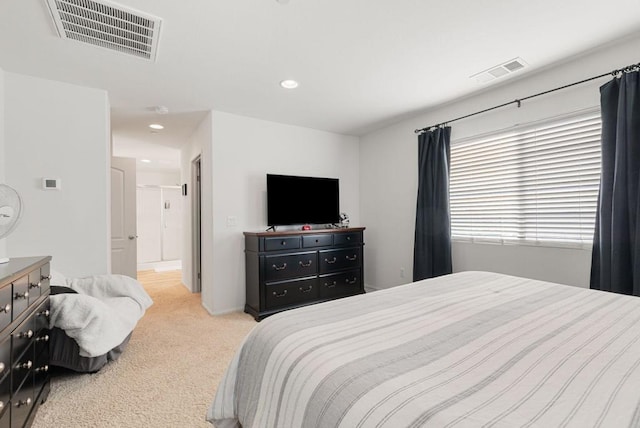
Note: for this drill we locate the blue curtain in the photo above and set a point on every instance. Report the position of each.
(615, 261)
(432, 245)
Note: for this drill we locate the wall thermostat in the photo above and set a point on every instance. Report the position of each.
(51, 183)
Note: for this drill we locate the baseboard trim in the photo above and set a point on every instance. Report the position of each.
(161, 266)
(227, 311)
(222, 312)
(370, 288)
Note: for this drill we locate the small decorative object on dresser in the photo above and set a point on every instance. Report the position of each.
(286, 270)
(24, 339)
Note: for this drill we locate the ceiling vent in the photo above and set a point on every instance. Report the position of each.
(107, 25)
(501, 70)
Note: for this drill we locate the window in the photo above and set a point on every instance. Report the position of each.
(536, 184)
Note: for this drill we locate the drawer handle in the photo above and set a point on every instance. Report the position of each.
(283, 243)
(1, 367)
(26, 365)
(348, 238)
(45, 313)
(44, 338)
(284, 266)
(332, 285)
(35, 285)
(305, 265)
(1, 405)
(351, 259)
(308, 289)
(21, 403)
(21, 296)
(25, 335)
(44, 369)
(353, 281)
(284, 293)
(7, 308)
(332, 261)
(45, 278)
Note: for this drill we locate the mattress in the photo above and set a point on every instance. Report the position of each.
(464, 350)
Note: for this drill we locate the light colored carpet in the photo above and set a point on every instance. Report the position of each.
(166, 377)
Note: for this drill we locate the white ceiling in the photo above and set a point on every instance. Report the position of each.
(361, 64)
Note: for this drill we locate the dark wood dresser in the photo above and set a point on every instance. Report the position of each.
(286, 270)
(24, 339)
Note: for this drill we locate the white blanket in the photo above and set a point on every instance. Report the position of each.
(102, 314)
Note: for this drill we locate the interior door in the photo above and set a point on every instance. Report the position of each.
(123, 217)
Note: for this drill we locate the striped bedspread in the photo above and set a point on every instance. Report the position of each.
(472, 349)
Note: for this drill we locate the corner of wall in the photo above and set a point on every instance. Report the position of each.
(3, 245)
(201, 138)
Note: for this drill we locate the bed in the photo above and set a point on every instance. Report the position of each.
(464, 350)
(92, 319)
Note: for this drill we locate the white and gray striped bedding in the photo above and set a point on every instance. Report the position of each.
(465, 350)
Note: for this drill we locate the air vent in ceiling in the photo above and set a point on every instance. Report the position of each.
(501, 70)
(107, 25)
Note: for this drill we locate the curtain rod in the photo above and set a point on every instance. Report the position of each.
(629, 68)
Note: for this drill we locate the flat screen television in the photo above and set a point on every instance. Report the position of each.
(302, 200)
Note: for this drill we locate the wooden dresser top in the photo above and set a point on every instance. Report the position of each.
(306, 232)
(19, 266)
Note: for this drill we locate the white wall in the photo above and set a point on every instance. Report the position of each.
(158, 178)
(388, 173)
(235, 161)
(2, 154)
(59, 130)
(200, 139)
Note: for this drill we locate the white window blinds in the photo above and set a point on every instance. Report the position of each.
(536, 185)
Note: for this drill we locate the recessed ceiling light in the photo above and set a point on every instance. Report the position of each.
(289, 84)
(156, 126)
(145, 160)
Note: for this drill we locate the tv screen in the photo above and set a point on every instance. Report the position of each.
(302, 200)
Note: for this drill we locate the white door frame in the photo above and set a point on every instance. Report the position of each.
(196, 225)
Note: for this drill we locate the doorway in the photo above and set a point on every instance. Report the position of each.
(196, 225)
(159, 227)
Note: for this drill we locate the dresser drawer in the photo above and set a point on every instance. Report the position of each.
(5, 377)
(21, 339)
(21, 404)
(334, 260)
(20, 296)
(323, 240)
(40, 369)
(282, 243)
(23, 369)
(41, 327)
(341, 284)
(347, 238)
(5, 414)
(290, 266)
(38, 283)
(291, 293)
(45, 278)
(6, 304)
